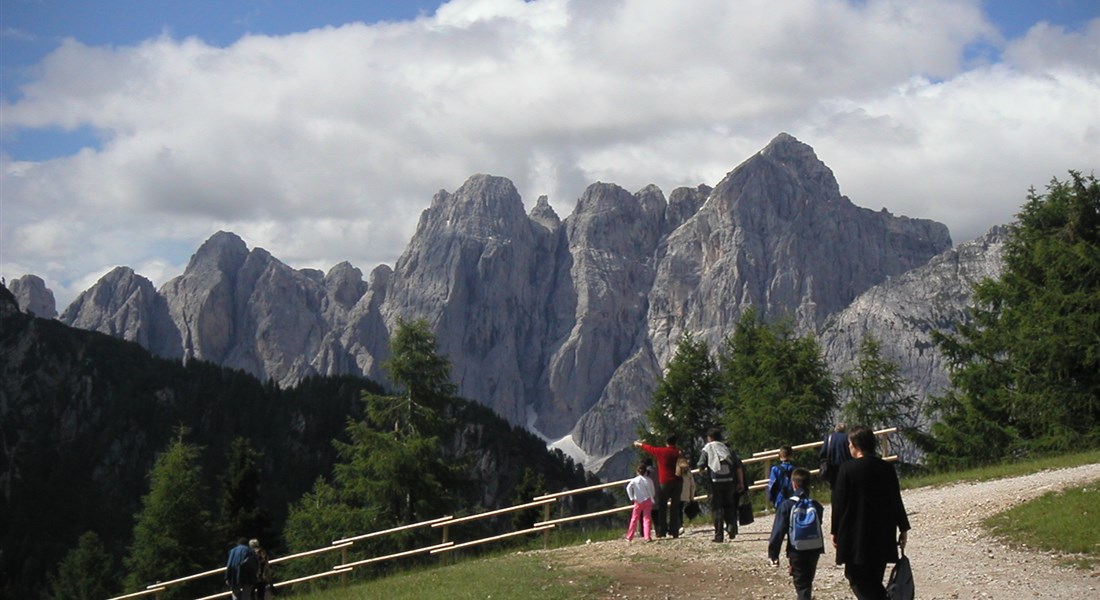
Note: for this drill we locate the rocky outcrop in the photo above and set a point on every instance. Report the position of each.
(775, 234)
(562, 326)
(32, 295)
(902, 312)
(125, 305)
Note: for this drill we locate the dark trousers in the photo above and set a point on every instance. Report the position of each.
(723, 506)
(803, 570)
(866, 581)
(669, 518)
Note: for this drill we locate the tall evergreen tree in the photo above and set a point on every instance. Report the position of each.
(239, 511)
(84, 573)
(1026, 369)
(776, 387)
(533, 484)
(173, 535)
(685, 402)
(874, 394)
(392, 471)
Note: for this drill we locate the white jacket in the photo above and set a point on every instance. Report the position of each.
(640, 489)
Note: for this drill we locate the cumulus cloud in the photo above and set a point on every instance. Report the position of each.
(325, 145)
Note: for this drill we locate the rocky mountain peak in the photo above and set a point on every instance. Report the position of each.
(484, 206)
(31, 293)
(801, 162)
(223, 252)
(544, 215)
(344, 284)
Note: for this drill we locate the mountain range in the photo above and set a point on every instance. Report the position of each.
(563, 326)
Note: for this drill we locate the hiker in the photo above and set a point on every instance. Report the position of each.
(654, 478)
(726, 481)
(834, 452)
(687, 491)
(670, 484)
(803, 533)
(868, 513)
(241, 570)
(263, 589)
(779, 479)
(641, 492)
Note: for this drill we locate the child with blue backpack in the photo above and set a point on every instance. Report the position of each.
(779, 479)
(798, 519)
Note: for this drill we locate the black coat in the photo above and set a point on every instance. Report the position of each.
(867, 512)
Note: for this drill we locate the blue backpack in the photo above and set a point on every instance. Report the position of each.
(779, 483)
(805, 526)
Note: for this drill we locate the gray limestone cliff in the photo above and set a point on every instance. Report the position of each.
(559, 325)
(32, 295)
(902, 312)
(775, 234)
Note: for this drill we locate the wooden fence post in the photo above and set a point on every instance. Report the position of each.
(546, 534)
(344, 561)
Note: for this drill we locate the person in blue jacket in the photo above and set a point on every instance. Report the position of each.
(779, 479)
(240, 570)
(802, 563)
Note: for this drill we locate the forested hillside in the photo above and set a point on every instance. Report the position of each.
(83, 417)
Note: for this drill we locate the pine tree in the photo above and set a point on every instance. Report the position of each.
(1026, 369)
(685, 401)
(874, 394)
(533, 484)
(173, 535)
(240, 514)
(392, 471)
(776, 387)
(84, 573)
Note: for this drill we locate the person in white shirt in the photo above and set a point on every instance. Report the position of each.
(641, 493)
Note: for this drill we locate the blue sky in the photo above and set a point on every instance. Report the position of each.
(132, 131)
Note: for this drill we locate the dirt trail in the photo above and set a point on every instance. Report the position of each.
(952, 557)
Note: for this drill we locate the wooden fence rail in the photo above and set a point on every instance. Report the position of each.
(545, 526)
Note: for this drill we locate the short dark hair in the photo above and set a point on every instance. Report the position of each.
(863, 438)
(641, 469)
(670, 439)
(786, 452)
(801, 478)
(715, 434)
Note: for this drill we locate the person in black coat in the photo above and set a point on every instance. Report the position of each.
(869, 521)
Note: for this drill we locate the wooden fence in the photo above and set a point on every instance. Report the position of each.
(344, 566)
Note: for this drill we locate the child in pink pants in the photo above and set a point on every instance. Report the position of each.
(641, 493)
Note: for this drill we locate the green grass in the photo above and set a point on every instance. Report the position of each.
(515, 575)
(1067, 522)
(1008, 469)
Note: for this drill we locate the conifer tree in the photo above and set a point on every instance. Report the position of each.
(776, 386)
(685, 401)
(240, 514)
(392, 471)
(84, 573)
(874, 394)
(173, 535)
(1026, 368)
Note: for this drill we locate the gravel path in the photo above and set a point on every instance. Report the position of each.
(951, 554)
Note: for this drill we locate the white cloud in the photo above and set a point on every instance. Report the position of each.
(325, 145)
